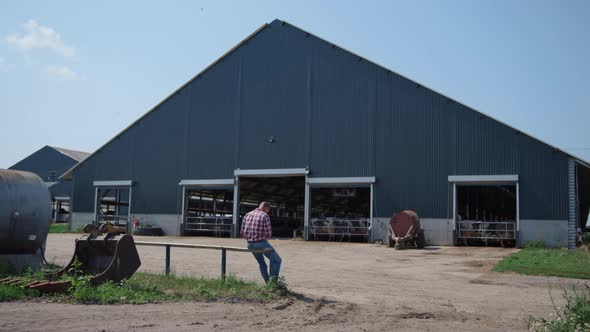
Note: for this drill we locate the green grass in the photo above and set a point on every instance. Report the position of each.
(154, 288)
(13, 293)
(62, 228)
(59, 228)
(573, 316)
(536, 260)
(196, 289)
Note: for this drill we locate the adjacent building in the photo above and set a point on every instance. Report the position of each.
(49, 163)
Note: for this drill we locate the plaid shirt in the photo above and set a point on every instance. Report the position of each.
(256, 226)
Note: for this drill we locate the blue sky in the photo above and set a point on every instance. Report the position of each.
(73, 74)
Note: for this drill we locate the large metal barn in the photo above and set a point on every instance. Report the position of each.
(337, 144)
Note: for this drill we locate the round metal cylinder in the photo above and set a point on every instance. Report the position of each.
(405, 223)
(25, 212)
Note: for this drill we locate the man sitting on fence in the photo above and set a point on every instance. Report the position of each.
(256, 230)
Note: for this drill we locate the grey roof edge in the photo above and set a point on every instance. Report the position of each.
(74, 154)
(578, 159)
(68, 174)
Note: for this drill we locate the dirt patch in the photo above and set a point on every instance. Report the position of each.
(142, 326)
(475, 263)
(486, 282)
(416, 315)
(482, 265)
(284, 305)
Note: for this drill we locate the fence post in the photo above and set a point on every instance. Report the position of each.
(167, 259)
(223, 264)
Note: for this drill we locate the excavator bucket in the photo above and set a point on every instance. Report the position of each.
(108, 256)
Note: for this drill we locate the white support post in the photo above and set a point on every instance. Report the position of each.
(236, 210)
(517, 235)
(306, 211)
(371, 203)
(129, 206)
(454, 205)
(517, 207)
(95, 222)
(454, 213)
(183, 208)
(118, 202)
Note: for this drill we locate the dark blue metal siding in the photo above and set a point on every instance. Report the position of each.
(61, 189)
(272, 101)
(212, 105)
(156, 152)
(543, 180)
(112, 162)
(83, 191)
(342, 106)
(423, 137)
(413, 148)
(333, 112)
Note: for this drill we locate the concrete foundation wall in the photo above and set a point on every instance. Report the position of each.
(170, 223)
(554, 233)
(79, 219)
(379, 229)
(436, 231)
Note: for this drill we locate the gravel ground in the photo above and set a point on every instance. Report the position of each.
(341, 287)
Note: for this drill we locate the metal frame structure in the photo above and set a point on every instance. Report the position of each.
(203, 223)
(122, 183)
(125, 184)
(337, 182)
(276, 172)
(484, 231)
(263, 173)
(223, 249)
(57, 204)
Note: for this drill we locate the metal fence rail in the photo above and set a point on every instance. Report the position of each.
(339, 227)
(224, 250)
(122, 220)
(486, 230)
(218, 225)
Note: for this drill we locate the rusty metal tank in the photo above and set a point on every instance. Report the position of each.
(25, 212)
(404, 229)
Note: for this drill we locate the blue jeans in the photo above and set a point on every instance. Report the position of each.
(273, 257)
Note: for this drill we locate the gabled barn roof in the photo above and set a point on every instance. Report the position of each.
(76, 155)
(68, 174)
